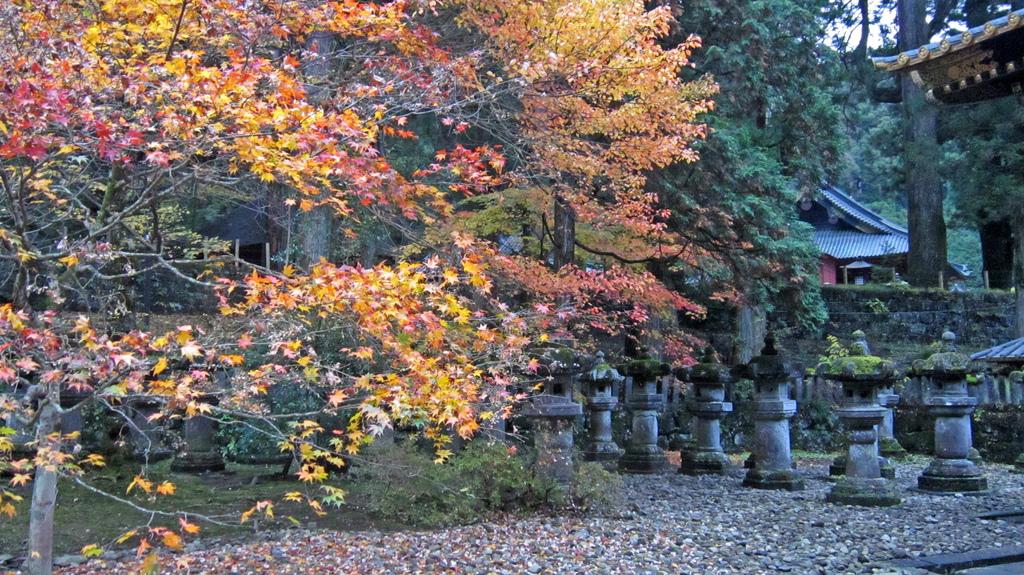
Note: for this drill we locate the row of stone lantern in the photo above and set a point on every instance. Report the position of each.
(866, 409)
(553, 411)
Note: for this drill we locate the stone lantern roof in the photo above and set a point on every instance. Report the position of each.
(947, 362)
(602, 371)
(769, 365)
(709, 370)
(646, 367)
(859, 365)
(558, 358)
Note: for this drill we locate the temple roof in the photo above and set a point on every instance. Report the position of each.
(854, 231)
(1011, 351)
(863, 217)
(845, 245)
(982, 63)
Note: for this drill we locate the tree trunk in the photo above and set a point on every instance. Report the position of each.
(997, 253)
(316, 228)
(44, 491)
(751, 327)
(1018, 272)
(921, 157)
(564, 233)
(279, 223)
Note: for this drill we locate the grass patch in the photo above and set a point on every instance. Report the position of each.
(83, 517)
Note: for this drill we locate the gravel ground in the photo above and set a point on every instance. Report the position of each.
(670, 524)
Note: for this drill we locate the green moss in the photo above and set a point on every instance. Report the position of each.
(709, 372)
(856, 365)
(944, 362)
(646, 366)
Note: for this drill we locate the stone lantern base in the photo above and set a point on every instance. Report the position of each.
(952, 476)
(864, 492)
(197, 462)
(785, 479)
(889, 447)
(644, 460)
(603, 452)
(704, 463)
(838, 467)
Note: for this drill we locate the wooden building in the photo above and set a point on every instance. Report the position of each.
(983, 63)
(853, 239)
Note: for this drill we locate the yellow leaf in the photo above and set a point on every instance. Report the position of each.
(160, 366)
(165, 488)
(150, 565)
(91, 551)
(140, 482)
(172, 540)
(70, 261)
(127, 536)
(94, 459)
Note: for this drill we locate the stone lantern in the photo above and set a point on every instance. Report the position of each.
(888, 446)
(199, 452)
(862, 377)
(553, 412)
(945, 374)
(773, 461)
(707, 407)
(882, 394)
(601, 400)
(642, 452)
(148, 437)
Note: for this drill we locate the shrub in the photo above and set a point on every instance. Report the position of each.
(406, 484)
(594, 488)
(816, 427)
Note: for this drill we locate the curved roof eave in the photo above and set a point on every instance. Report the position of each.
(988, 30)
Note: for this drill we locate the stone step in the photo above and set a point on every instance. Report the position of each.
(1005, 569)
(951, 563)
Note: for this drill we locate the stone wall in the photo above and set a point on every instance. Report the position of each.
(979, 318)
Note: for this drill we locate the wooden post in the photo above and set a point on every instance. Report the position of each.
(942, 282)
(266, 255)
(985, 275)
(237, 248)
(846, 276)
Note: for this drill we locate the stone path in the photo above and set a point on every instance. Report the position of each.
(670, 524)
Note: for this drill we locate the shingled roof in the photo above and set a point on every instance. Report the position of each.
(1009, 352)
(872, 236)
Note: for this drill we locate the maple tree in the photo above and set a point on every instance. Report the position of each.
(112, 113)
